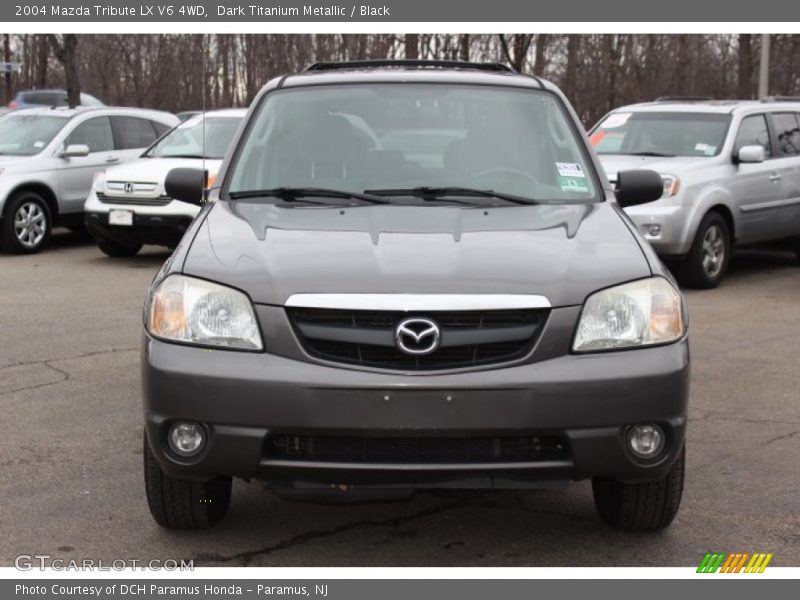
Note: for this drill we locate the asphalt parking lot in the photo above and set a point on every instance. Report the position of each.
(70, 459)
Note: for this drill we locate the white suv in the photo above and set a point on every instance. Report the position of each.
(731, 172)
(128, 207)
(48, 157)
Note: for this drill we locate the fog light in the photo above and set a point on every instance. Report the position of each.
(654, 230)
(186, 438)
(646, 441)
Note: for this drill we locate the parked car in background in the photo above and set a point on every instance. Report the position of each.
(127, 206)
(731, 173)
(34, 98)
(460, 305)
(48, 158)
(188, 114)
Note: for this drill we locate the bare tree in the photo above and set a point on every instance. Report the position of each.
(744, 87)
(66, 53)
(412, 46)
(516, 51)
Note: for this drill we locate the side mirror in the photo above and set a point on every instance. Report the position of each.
(75, 150)
(638, 187)
(186, 185)
(751, 154)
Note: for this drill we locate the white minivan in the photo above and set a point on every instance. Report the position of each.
(128, 207)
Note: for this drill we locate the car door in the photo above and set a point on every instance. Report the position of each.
(756, 187)
(786, 126)
(76, 173)
(132, 135)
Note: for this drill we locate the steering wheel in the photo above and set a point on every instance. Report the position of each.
(507, 171)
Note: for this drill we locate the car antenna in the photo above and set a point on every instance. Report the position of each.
(203, 116)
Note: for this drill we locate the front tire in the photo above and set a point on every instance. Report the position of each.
(641, 506)
(27, 224)
(708, 259)
(181, 504)
(117, 250)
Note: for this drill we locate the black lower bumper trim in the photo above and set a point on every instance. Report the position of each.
(163, 230)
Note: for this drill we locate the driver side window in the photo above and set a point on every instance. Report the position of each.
(753, 132)
(95, 133)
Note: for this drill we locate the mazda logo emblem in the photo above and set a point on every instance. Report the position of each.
(129, 187)
(417, 336)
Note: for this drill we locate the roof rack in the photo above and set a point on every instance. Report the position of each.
(781, 99)
(684, 99)
(409, 63)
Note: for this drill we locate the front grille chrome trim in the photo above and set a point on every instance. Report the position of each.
(418, 302)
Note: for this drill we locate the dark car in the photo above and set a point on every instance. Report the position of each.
(414, 275)
(188, 114)
(36, 98)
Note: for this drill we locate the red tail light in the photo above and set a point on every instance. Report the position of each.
(12, 104)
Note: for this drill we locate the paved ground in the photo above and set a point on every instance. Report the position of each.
(70, 473)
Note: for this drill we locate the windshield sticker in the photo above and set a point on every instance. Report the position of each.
(706, 149)
(573, 184)
(38, 144)
(597, 137)
(615, 120)
(570, 170)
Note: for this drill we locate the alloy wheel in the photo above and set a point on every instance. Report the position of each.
(30, 224)
(713, 251)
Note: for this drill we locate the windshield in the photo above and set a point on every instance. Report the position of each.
(404, 141)
(26, 135)
(661, 134)
(186, 140)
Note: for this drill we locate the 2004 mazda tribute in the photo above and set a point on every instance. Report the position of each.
(414, 275)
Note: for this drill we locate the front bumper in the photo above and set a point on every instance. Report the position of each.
(670, 220)
(163, 230)
(244, 398)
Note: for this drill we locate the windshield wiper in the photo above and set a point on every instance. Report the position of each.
(440, 193)
(649, 153)
(296, 194)
(180, 156)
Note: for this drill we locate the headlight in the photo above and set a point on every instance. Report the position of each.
(195, 311)
(671, 185)
(641, 313)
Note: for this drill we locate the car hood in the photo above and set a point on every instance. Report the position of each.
(614, 163)
(153, 171)
(9, 162)
(563, 252)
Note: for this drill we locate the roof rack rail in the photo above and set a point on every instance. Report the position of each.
(781, 99)
(684, 99)
(379, 63)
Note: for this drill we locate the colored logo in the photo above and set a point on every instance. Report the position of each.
(740, 562)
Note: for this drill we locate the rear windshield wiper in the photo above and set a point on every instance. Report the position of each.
(296, 194)
(440, 193)
(648, 153)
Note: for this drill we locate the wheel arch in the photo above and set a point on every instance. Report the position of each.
(44, 190)
(725, 212)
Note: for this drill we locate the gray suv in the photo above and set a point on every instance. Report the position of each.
(731, 172)
(409, 275)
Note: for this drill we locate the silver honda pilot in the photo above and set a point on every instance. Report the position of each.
(731, 173)
(413, 275)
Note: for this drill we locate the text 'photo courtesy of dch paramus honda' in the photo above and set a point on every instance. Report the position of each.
(408, 275)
